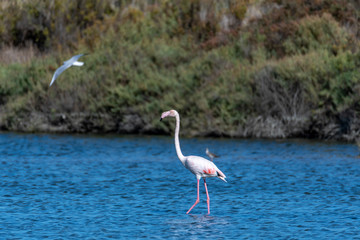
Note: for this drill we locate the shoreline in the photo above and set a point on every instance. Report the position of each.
(99, 124)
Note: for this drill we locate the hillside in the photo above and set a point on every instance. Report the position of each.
(272, 68)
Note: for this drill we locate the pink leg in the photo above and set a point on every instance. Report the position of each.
(198, 197)
(207, 197)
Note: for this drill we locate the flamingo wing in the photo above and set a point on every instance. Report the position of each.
(203, 167)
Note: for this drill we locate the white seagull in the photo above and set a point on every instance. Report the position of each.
(71, 62)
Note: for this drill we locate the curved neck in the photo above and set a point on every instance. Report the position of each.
(177, 142)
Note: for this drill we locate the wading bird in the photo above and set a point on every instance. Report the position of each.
(211, 155)
(71, 62)
(199, 166)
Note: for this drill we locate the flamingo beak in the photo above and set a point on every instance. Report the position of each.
(161, 119)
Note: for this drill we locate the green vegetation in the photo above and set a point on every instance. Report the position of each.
(236, 68)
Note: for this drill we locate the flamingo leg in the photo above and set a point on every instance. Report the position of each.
(198, 197)
(207, 197)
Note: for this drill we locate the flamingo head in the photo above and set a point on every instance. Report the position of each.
(171, 113)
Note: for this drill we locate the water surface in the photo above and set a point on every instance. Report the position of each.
(116, 187)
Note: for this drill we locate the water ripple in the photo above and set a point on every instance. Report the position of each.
(111, 187)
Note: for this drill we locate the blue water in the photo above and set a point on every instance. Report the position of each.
(121, 187)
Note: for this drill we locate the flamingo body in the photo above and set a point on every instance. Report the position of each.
(199, 166)
(203, 168)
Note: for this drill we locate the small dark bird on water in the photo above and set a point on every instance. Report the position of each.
(211, 155)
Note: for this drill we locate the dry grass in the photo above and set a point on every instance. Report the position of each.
(11, 54)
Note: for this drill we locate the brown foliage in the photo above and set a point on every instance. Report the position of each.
(281, 23)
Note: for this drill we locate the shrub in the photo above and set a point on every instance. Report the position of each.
(291, 70)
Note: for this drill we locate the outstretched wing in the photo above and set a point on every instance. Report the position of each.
(58, 72)
(73, 59)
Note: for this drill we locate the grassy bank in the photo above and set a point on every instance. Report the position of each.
(242, 69)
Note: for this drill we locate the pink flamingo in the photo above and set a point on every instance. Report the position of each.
(201, 167)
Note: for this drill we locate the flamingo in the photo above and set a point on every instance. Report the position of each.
(71, 62)
(199, 166)
(211, 155)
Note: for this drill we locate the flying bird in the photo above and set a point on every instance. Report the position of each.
(199, 166)
(211, 155)
(71, 62)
